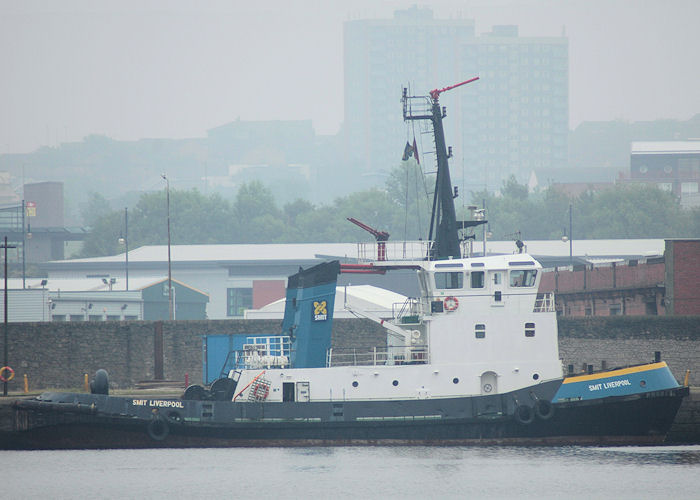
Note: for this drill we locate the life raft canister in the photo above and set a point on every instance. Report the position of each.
(6, 369)
(451, 303)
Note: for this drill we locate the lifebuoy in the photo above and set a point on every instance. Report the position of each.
(9, 370)
(544, 409)
(524, 414)
(158, 428)
(451, 303)
(262, 392)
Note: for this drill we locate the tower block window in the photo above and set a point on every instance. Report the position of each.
(480, 331)
(529, 329)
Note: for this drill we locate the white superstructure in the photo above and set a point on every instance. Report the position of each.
(479, 327)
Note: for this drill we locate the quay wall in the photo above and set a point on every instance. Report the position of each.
(56, 355)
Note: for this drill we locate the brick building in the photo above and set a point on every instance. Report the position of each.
(671, 165)
(668, 284)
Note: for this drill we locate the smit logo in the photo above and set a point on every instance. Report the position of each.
(320, 311)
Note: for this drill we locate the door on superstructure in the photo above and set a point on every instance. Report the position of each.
(496, 284)
(489, 383)
(288, 391)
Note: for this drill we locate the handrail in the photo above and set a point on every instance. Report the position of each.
(373, 356)
(544, 302)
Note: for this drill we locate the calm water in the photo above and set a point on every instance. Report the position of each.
(379, 472)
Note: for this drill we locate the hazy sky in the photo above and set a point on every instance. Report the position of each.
(131, 69)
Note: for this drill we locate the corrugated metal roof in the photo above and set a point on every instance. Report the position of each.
(93, 284)
(227, 253)
(298, 252)
(666, 147)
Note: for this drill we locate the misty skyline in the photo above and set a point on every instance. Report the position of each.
(132, 70)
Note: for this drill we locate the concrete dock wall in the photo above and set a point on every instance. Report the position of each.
(56, 355)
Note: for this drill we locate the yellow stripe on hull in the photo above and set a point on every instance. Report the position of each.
(615, 373)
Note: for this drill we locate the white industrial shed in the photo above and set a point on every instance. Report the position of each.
(250, 276)
(365, 298)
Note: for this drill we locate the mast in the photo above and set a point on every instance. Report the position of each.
(443, 220)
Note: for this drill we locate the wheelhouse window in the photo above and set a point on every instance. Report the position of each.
(523, 278)
(238, 300)
(449, 280)
(477, 279)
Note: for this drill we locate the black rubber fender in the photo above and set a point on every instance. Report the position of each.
(158, 428)
(223, 389)
(195, 393)
(100, 384)
(524, 414)
(544, 409)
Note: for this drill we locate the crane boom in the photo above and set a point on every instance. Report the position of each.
(435, 93)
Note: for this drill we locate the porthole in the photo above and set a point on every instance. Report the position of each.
(455, 380)
(643, 383)
(643, 169)
(395, 383)
(536, 376)
(354, 383)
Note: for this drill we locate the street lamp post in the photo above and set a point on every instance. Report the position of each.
(571, 236)
(170, 275)
(4, 384)
(125, 241)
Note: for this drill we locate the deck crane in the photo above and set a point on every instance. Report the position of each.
(381, 236)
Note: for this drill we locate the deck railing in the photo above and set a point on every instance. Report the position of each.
(407, 312)
(377, 356)
(393, 250)
(544, 302)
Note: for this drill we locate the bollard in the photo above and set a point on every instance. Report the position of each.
(604, 365)
(571, 369)
(590, 369)
(87, 385)
(687, 378)
(187, 379)
(26, 384)
(657, 356)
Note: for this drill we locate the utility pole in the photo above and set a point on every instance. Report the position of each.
(170, 275)
(124, 240)
(4, 384)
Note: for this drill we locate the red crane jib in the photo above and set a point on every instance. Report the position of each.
(436, 92)
(379, 235)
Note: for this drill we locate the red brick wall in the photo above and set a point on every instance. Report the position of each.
(266, 291)
(601, 278)
(628, 288)
(686, 277)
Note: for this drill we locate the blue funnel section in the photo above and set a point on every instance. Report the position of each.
(308, 313)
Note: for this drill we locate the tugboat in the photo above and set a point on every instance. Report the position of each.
(473, 360)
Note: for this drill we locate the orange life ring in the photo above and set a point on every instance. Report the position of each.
(2, 374)
(451, 303)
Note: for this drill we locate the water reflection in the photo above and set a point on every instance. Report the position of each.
(352, 472)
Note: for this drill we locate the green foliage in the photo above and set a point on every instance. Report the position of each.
(96, 207)
(402, 209)
(623, 211)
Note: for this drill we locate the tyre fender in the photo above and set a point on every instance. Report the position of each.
(158, 428)
(544, 409)
(524, 414)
